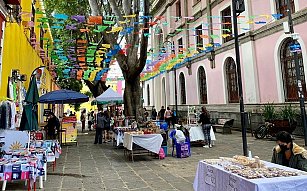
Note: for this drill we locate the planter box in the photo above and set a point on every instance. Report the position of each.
(12, 2)
(282, 125)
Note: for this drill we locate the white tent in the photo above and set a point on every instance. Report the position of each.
(109, 96)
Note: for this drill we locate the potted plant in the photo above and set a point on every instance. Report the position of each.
(282, 120)
(269, 112)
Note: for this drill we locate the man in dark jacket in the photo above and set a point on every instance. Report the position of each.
(100, 124)
(53, 125)
(289, 154)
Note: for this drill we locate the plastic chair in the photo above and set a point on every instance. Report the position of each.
(179, 146)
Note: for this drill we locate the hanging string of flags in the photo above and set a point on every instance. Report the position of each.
(83, 59)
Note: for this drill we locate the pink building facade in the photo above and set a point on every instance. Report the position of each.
(267, 66)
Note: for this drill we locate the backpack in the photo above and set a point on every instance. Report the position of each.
(100, 120)
(161, 154)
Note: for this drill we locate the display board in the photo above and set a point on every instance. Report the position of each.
(70, 133)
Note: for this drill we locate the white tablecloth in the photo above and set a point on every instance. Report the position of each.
(215, 178)
(119, 134)
(151, 142)
(197, 134)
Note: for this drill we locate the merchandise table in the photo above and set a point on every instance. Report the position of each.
(197, 134)
(150, 142)
(213, 177)
(119, 134)
(27, 168)
(53, 151)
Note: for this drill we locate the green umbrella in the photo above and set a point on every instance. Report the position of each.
(29, 119)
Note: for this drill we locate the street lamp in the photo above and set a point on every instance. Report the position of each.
(297, 71)
(238, 7)
(175, 79)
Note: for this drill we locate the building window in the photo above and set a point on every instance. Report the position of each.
(148, 95)
(199, 40)
(2, 26)
(32, 32)
(178, 9)
(281, 7)
(289, 72)
(180, 46)
(183, 98)
(226, 24)
(232, 81)
(202, 85)
(159, 35)
(41, 38)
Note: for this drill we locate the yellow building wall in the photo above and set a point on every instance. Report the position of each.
(19, 54)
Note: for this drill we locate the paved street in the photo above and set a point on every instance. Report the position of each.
(104, 167)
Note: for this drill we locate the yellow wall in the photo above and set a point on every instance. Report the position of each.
(18, 52)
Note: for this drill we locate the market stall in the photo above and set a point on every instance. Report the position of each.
(64, 97)
(119, 134)
(148, 142)
(241, 174)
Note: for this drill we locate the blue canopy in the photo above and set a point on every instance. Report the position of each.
(63, 97)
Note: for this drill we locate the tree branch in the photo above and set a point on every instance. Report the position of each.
(94, 7)
(144, 41)
(116, 10)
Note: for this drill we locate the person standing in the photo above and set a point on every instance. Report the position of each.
(100, 122)
(161, 113)
(168, 116)
(82, 118)
(52, 126)
(90, 120)
(107, 127)
(154, 113)
(204, 119)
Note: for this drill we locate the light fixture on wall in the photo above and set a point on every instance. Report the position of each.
(16, 76)
(189, 67)
(211, 58)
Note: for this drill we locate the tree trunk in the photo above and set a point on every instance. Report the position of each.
(94, 7)
(132, 97)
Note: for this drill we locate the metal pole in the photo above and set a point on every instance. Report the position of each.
(237, 51)
(298, 76)
(176, 104)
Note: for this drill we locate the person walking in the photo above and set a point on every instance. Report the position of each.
(204, 119)
(82, 119)
(100, 122)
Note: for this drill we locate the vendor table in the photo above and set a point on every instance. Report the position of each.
(215, 178)
(197, 134)
(119, 134)
(150, 142)
(22, 169)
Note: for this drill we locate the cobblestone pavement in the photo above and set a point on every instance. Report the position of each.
(90, 167)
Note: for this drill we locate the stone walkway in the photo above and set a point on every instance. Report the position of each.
(103, 167)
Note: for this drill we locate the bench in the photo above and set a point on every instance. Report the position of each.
(224, 124)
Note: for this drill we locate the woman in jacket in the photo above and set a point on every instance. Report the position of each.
(204, 119)
(289, 154)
